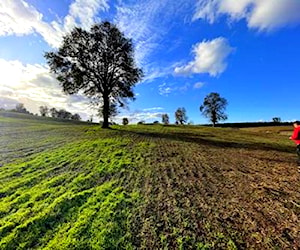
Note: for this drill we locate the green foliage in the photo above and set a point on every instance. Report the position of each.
(276, 119)
(20, 108)
(180, 116)
(165, 119)
(213, 107)
(125, 121)
(44, 110)
(100, 63)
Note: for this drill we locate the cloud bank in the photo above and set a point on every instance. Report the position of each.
(264, 15)
(17, 17)
(33, 85)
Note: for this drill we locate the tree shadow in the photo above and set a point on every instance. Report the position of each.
(210, 140)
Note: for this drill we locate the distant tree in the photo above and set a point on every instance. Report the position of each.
(91, 118)
(276, 119)
(156, 122)
(53, 112)
(76, 117)
(214, 107)
(125, 121)
(44, 110)
(141, 122)
(100, 63)
(64, 114)
(20, 108)
(165, 119)
(61, 113)
(180, 116)
(68, 115)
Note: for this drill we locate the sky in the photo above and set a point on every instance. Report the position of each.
(247, 51)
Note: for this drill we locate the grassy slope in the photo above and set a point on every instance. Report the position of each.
(65, 186)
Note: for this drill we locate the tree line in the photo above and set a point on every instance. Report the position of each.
(45, 111)
(213, 108)
(58, 113)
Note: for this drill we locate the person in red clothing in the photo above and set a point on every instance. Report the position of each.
(296, 138)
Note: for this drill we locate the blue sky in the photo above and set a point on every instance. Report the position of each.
(248, 51)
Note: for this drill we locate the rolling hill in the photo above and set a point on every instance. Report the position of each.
(66, 185)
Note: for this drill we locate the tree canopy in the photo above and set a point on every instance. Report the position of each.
(180, 116)
(213, 107)
(165, 119)
(99, 64)
(20, 108)
(125, 121)
(44, 110)
(276, 119)
(64, 114)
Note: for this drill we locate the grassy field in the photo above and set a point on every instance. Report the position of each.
(75, 186)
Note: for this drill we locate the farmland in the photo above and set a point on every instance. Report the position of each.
(70, 185)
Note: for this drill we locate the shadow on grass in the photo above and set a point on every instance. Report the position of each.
(211, 140)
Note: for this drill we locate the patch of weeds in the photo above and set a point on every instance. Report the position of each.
(102, 222)
(203, 246)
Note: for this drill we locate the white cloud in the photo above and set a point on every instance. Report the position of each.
(83, 12)
(198, 85)
(33, 85)
(152, 109)
(137, 21)
(259, 14)
(147, 22)
(166, 89)
(210, 57)
(17, 17)
(152, 73)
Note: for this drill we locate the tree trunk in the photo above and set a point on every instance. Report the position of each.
(105, 111)
(214, 118)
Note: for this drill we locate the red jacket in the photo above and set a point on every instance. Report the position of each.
(296, 135)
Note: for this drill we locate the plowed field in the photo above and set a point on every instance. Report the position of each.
(76, 186)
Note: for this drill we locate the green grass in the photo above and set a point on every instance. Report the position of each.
(70, 185)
